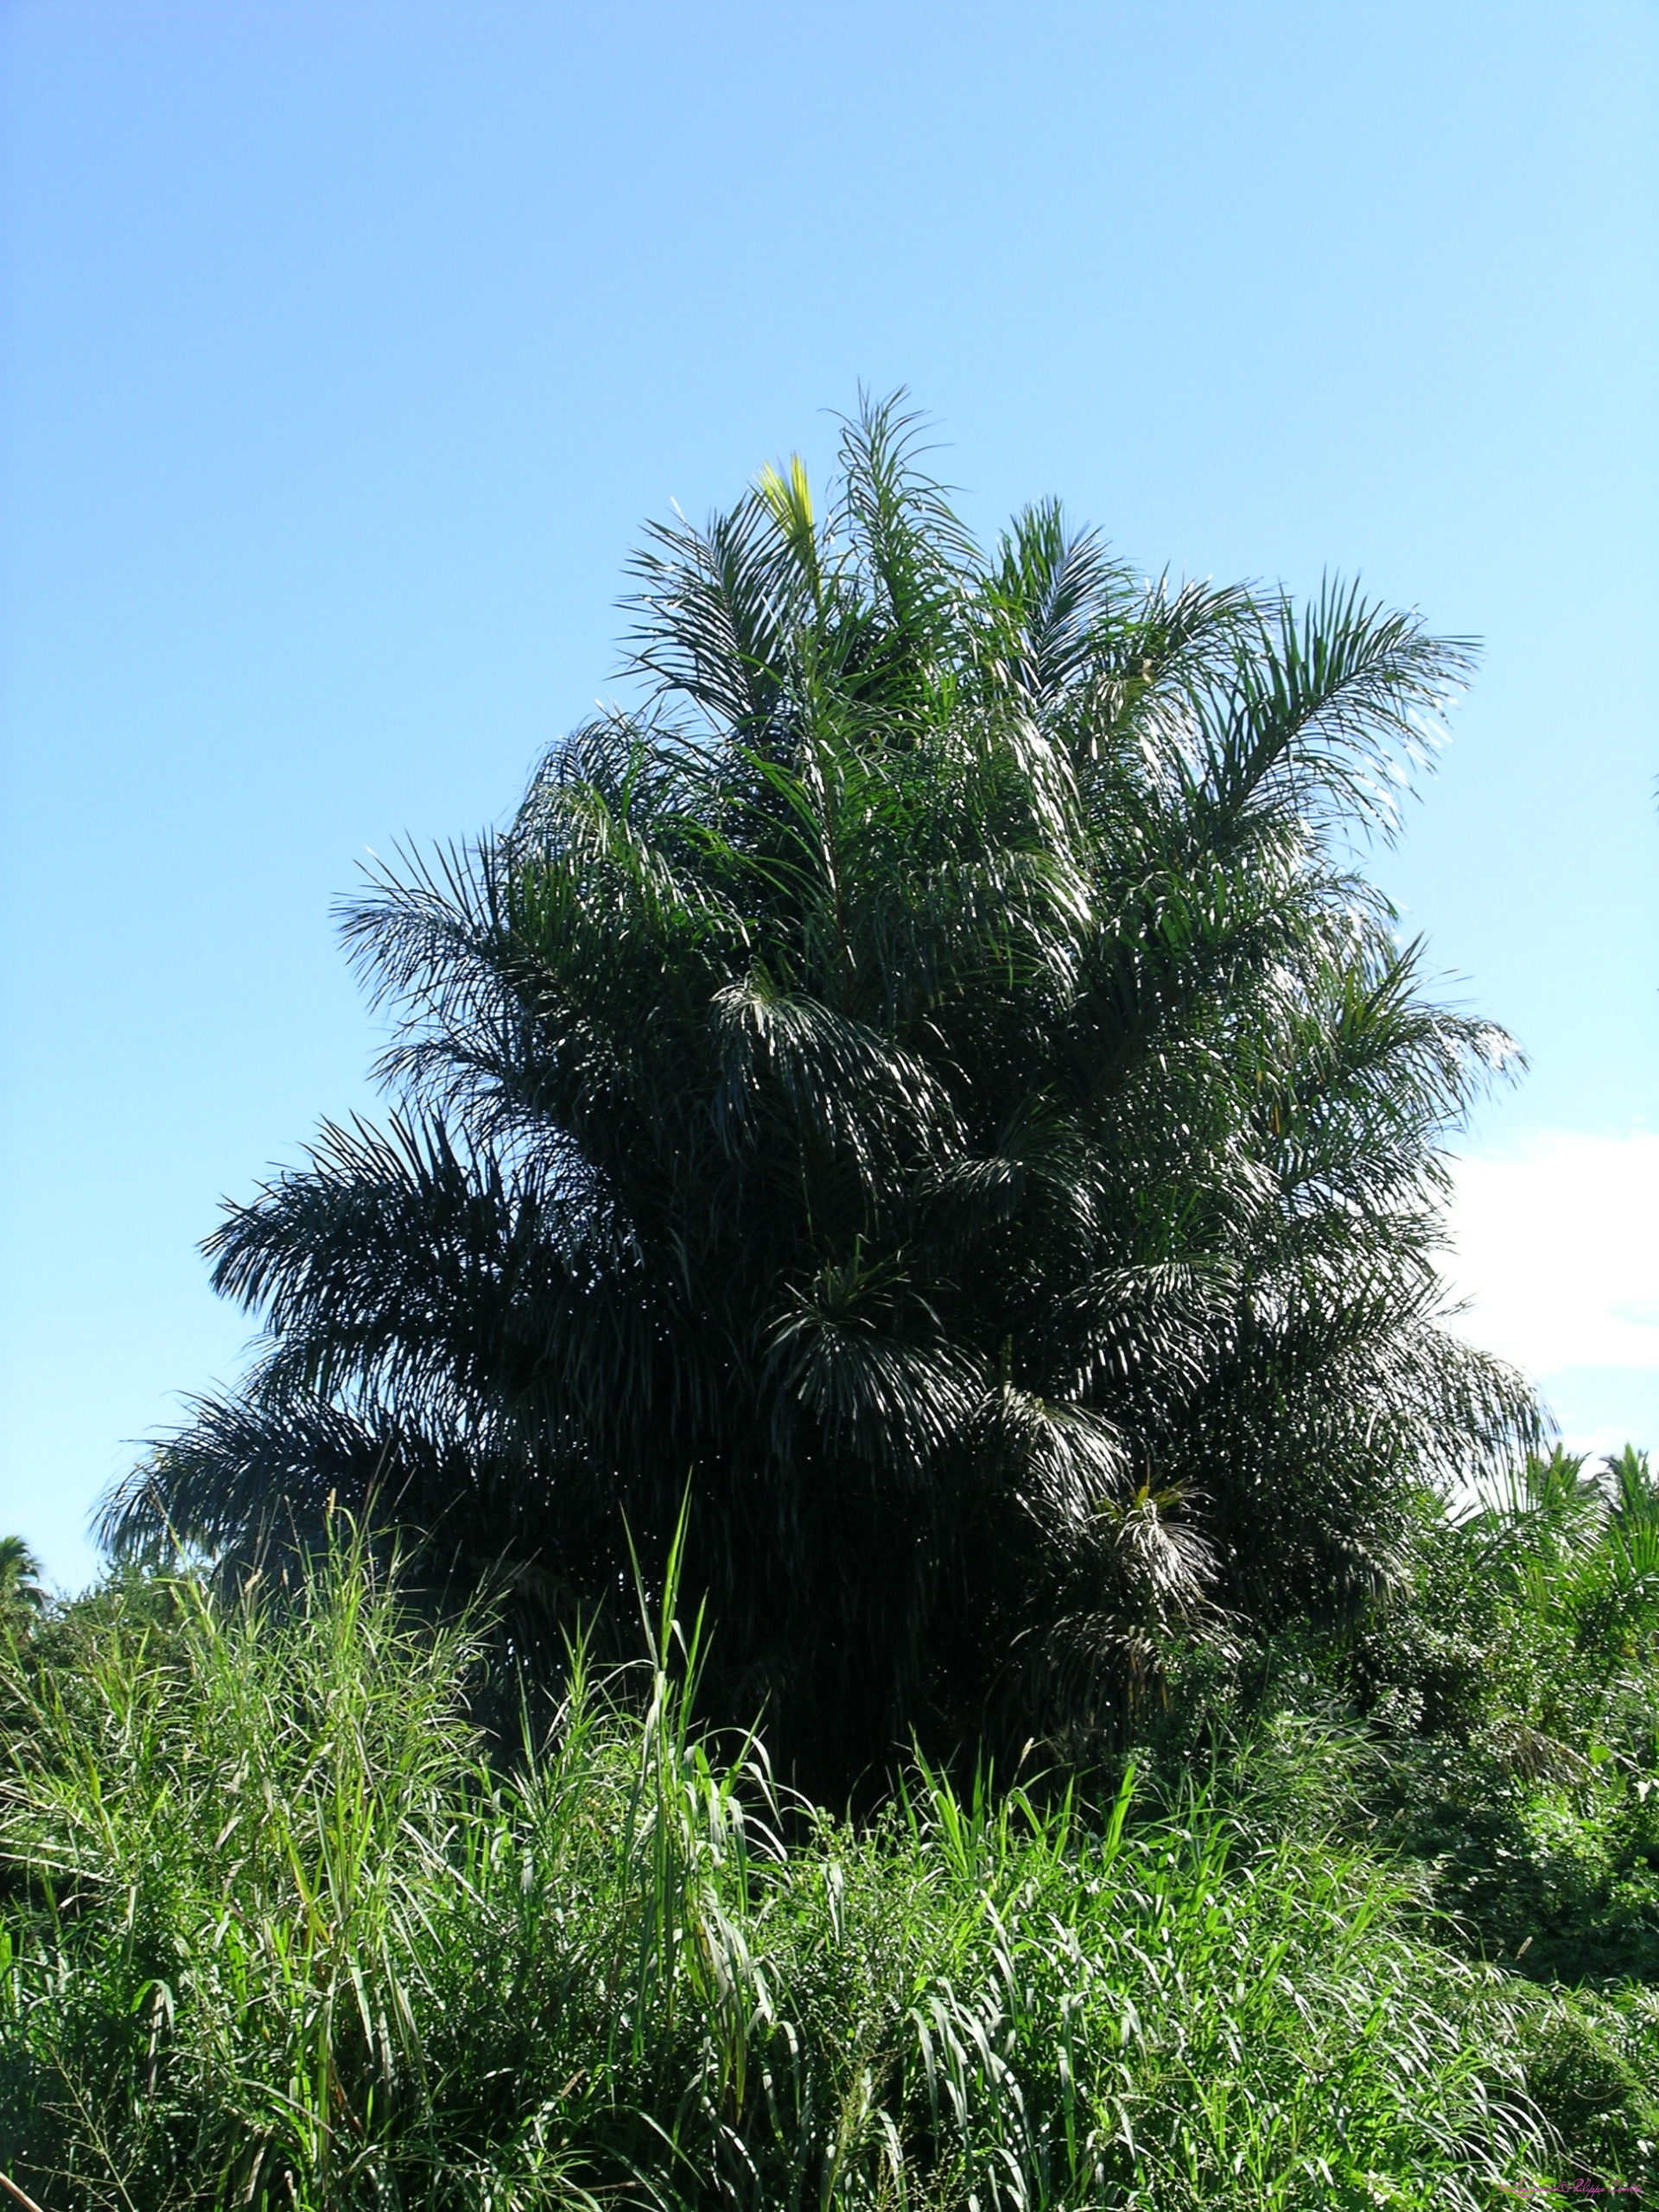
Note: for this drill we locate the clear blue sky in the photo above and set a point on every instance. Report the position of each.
(345, 346)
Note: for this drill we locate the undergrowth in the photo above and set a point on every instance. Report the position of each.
(277, 1933)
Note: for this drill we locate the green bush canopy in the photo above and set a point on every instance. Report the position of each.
(929, 1088)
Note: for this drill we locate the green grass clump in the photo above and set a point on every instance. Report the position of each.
(275, 1933)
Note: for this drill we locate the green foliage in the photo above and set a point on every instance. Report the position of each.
(22, 1592)
(1514, 1684)
(933, 1079)
(1491, 1723)
(277, 1936)
(1592, 2066)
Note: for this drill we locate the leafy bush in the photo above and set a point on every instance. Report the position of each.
(278, 1935)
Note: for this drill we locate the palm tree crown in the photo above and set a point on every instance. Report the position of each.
(931, 1084)
(22, 1587)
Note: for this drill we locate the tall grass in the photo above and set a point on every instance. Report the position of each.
(276, 1934)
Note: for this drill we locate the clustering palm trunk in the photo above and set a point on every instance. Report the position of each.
(931, 1090)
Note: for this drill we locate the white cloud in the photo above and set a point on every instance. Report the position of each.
(1556, 1248)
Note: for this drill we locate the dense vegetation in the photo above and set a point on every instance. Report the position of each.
(930, 1085)
(278, 1932)
(833, 1585)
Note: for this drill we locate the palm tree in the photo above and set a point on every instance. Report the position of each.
(1582, 1551)
(931, 1087)
(23, 1591)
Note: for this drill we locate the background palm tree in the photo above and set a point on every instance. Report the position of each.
(931, 1081)
(23, 1589)
(1580, 1551)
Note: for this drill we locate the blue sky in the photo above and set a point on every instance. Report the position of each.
(346, 346)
